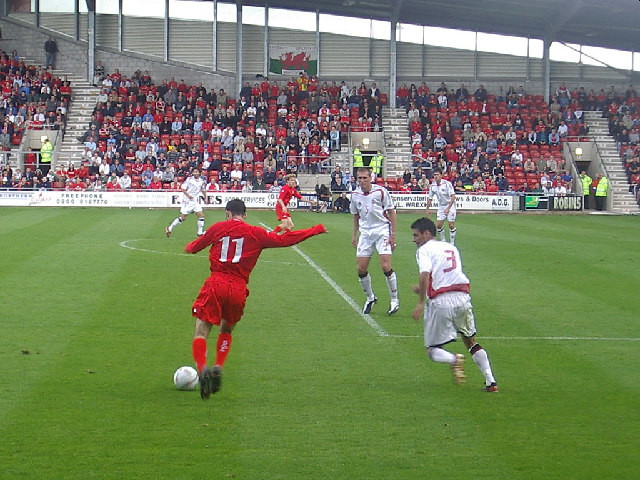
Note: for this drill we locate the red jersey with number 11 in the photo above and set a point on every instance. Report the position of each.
(236, 245)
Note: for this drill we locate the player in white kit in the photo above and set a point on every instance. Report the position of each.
(445, 194)
(374, 219)
(449, 310)
(192, 188)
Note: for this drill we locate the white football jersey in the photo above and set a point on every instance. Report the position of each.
(371, 207)
(442, 192)
(194, 186)
(442, 261)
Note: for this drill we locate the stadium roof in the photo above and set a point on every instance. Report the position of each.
(600, 23)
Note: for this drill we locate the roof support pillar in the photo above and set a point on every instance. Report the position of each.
(393, 65)
(239, 46)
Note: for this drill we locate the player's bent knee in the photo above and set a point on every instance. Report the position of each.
(430, 353)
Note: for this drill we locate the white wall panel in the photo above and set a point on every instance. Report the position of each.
(448, 62)
(227, 46)
(494, 65)
(409, 59)
(191, 42)
(380, 58)
(144, 35)
(107, 30)
(252, 49)
(342, 56)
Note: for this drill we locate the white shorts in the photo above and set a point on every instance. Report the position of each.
(370, 240)
(192, 206)
(445, 316)
(450, 217)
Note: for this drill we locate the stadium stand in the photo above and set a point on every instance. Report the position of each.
(33, 98)
(155, 134)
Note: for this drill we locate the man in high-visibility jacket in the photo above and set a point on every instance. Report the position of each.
(586, 181)
(376, 163)
(601, 191)
(357, 159)
(45, 156)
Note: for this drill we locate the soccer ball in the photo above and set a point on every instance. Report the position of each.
(186, 378)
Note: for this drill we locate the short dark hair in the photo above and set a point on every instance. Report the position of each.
(236, 207)
(437, 170)
(424, 224)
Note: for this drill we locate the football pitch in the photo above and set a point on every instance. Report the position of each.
(96, 316)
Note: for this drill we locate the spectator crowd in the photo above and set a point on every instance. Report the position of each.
(147, 136)
(32, 98)
(623, 116)
(490, 142)
(143, 135)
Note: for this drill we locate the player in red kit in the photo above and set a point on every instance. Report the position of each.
(235, 248)
(282, 206)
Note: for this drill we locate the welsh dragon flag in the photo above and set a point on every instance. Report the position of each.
(293, 60)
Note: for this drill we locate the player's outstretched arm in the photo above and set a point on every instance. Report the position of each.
(202, 242)
(273, 240)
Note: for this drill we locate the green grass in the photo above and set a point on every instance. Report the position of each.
(91, 333)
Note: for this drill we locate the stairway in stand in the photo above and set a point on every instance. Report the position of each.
(308, 181)
(397, 141)
(84, 98)
(622, 200)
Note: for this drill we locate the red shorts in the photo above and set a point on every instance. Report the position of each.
(220, 297)
(280, 213)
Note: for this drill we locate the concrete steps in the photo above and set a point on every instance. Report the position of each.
(622, 201)
(84, 98)
(397, 141)
(308, 181)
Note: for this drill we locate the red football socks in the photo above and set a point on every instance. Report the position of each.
(199, 352)
(222, 348)
(277, 229)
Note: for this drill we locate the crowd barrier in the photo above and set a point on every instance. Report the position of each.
(267, 200)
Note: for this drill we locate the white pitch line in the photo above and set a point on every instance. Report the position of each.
(366, 317)
(125, 243)
(369, 319)
(595, 339)
(383, 333)
(592, 339)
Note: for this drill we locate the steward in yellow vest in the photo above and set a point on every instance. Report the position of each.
(586, 181)
(601, 191)
(45, 156)
(357, 160)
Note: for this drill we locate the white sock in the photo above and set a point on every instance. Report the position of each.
(452, 236)
(440, 355)
(441, 234)
(200, 226)
(175, 222)
(392, 284)
(365, 283)
(481, 359)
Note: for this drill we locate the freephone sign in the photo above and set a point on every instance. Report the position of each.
(138, 199)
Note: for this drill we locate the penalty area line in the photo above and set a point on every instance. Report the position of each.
(366, 317)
